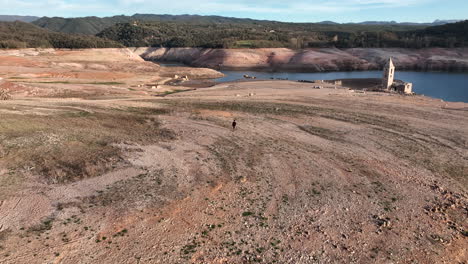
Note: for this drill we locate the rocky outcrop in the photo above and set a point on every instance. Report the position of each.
(312, 60)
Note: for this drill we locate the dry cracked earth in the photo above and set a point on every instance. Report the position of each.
(308, 176)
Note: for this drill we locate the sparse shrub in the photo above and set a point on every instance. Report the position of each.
(45, 225)
(5, 94)
(247, 213)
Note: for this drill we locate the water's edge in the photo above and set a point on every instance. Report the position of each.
(451, 87)
(313, 60)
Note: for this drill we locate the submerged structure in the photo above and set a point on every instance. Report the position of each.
(389, 83)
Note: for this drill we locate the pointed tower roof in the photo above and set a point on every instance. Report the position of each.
(390, 63)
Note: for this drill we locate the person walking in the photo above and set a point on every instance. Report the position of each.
(234, 123)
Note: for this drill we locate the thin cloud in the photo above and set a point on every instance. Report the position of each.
(261, 8)
(266, 7)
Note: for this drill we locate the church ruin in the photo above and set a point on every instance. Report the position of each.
(389, 83)
(388, 75)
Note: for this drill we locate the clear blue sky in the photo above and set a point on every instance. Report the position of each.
(283, 10)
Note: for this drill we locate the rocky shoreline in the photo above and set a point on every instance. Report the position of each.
(313, 60)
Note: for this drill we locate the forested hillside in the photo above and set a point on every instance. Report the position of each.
(24, 35)
(147, 30)
(267, 34)
(449, 35)
(94, 25)
(81, 25)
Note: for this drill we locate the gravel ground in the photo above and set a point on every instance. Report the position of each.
(308, 176)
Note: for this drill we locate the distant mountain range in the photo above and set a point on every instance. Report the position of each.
(7, 18)
(435, 23)
(93, 25)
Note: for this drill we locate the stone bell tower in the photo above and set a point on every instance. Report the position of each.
(388, 74)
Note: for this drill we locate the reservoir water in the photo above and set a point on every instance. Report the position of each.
(452, 87)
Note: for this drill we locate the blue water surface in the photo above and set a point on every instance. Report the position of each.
(452, 87)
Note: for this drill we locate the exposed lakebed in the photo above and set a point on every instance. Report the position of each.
(452, 87)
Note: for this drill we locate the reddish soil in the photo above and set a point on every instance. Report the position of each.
(111, 173)
(309, 176)
(92, 72)
(18, 61)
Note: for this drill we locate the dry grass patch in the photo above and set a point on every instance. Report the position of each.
(295, 110)
(322, 132)
(71, 145)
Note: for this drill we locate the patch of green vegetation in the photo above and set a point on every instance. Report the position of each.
(45, 225)
(190, 248)
(247, 213)
(121, 233)
(314, 192)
